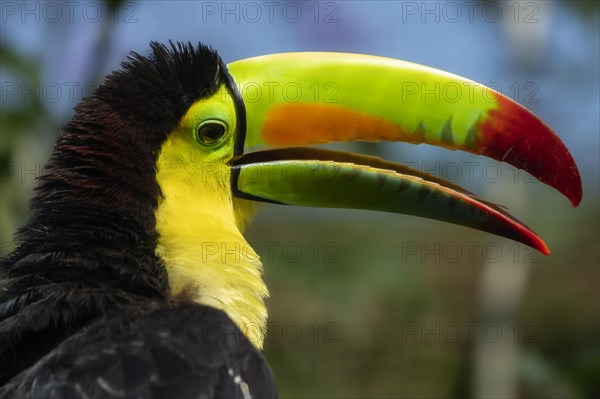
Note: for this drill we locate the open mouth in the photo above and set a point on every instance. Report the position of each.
(378, 99)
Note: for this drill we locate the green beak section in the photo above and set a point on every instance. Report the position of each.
(406, 101)
(328, 179)
(298, 99)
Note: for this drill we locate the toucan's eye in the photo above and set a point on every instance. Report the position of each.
(210, 132)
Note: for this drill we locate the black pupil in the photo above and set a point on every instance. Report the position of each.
(210, 133)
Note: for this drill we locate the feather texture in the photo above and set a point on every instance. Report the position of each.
(85, 303)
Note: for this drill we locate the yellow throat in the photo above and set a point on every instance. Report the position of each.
(200, 226)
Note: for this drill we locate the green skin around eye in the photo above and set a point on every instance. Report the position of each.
(219, 108)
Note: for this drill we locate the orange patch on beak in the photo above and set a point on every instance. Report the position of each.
(302, 123)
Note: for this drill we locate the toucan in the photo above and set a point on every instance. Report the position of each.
(110, 290)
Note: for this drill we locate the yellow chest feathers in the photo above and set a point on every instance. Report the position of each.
(200, 227)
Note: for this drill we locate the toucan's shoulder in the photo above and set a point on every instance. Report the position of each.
(188, 351)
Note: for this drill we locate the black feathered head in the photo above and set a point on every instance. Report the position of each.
(152, 93)
(107, 152)
(98, 199)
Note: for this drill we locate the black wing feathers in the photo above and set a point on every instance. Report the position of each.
(190, 352)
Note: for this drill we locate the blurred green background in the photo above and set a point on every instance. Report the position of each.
(366, 304)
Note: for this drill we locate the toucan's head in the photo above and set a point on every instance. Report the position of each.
(202, 142)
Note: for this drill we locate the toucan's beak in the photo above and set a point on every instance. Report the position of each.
(299, 99)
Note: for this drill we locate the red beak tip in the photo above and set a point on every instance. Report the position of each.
(544, 249)
(576, 199)
(538, 244)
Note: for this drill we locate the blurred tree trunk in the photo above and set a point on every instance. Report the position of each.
(504, 282)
